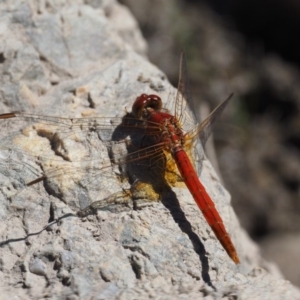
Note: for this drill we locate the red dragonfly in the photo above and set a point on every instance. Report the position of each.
(162, 136)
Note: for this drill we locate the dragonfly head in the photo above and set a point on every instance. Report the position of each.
(145, 104)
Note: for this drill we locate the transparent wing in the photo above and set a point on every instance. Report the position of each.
(183, 112)
(188, 121)
(68, 153)
(46, 125)
(186, 117)
(204, 129)
(202, 132)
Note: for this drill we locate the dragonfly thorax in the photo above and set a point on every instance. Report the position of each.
(166, 129)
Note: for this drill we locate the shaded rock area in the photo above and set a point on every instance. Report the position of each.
(245, 47)
(86, 59)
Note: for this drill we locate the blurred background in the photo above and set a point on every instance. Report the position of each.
(250, 48)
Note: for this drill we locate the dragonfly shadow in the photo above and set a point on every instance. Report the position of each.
(171, 202)
(130, 126)
(145, 161)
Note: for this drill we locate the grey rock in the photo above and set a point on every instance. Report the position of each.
(37, 267)
(67, 59)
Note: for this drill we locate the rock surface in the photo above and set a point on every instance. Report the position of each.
(71, 59)
(257, 137)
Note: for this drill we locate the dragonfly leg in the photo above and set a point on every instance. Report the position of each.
(143, 194)
(141, 203)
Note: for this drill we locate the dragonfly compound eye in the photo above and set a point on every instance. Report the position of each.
(146, 101)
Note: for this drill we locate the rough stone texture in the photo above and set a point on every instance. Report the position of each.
(257, 137)
(73, 59)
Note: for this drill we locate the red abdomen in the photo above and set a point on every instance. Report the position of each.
(204, 202)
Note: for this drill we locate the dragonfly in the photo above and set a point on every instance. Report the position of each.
(162, 144)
